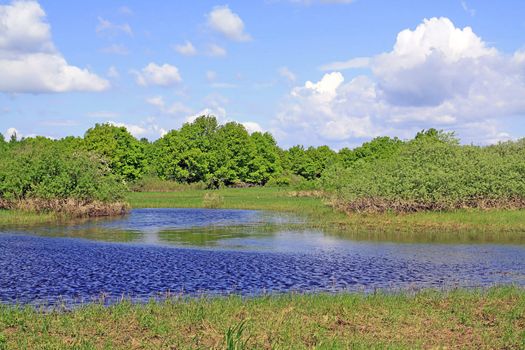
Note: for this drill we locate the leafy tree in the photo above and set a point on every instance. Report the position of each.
(267, 161)
(235, 151)
(378, 148)
(124, 153)
(311, 162)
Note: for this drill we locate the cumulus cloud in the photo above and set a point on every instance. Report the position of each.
(29, 61)
(215, 50)
(160, 75)
(436, 75)
(148, 127)
(252, 127)
(133, 129)
(228, 23)
(186, 49)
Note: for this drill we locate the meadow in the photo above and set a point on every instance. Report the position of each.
(474, 319)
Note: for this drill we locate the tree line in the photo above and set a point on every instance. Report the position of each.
(433, 171)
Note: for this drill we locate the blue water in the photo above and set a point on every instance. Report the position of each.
(47, 264)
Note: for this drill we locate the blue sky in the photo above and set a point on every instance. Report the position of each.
(311, 72)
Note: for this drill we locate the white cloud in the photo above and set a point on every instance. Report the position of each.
(157, 101)
(211, 75)
(133, 129)
(286, 73)
(354, 63)
(218, 112)
(186, 49)
(161, 75)
(215, 50)
(175, 109)
(29, 61)
(113, 72)
(436, 75)
(126, 11)
(432, 63)
(467, 9)
(252, 127)
(115, 49)
(225, 21)
(108, 28)
(12, 131)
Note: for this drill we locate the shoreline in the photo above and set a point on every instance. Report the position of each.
(471, 222)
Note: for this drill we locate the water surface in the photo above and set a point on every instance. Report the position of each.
(192, 251)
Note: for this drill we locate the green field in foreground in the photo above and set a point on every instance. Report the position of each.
(491, 225)
(490, 319)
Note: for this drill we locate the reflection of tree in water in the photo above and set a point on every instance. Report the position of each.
(210, 236)
(262, 229)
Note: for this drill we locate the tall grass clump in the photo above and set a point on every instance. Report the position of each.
(42, 175)
(432, 172)
(212, 200)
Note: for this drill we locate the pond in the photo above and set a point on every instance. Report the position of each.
(158, 252)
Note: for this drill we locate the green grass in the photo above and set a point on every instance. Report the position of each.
(19, 217)
(475, 319)
(462, 225)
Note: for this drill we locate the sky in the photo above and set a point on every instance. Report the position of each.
(311, 72)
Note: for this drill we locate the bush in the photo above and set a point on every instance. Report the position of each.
(41, 174)
(430, 173)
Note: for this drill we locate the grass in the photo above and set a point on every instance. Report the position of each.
(463, 225)
(475, 319)
(19, 217)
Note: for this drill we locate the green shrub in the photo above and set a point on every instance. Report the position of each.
(433, 173)
(43, 169)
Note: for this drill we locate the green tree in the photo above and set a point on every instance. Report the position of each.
(267, 161)
(124, 153)
(234, 150)
(378, 148)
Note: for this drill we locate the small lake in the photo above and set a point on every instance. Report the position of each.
(152, 252)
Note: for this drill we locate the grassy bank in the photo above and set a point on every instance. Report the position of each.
(19, 217)
(492, 318)
(496, 223)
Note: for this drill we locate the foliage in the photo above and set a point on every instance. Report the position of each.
(204, 151)
(40, 168)
(378, 148)
(124, 153)
(311, 162)
(433, 172)
(430, 172)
